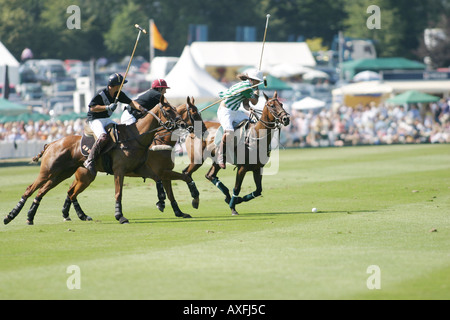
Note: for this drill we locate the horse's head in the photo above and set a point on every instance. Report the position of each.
(191, 115)
(171, 118)
(277, 115)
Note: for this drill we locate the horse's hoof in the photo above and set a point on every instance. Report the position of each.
(30, 223)
(234, 212)
(161, 206)
(7, 220)
(124, 220)
(186, 216)
(88, 218)
(67, 219)
(195, 203)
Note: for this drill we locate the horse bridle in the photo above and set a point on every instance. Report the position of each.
(170, 124)
(277, 124)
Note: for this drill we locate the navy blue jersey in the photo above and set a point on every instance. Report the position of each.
(103, 98)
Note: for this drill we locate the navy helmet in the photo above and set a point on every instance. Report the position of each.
(115, 80)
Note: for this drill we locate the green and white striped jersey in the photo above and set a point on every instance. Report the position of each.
(234, 101)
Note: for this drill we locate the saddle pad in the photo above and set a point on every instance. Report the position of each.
(87, 142)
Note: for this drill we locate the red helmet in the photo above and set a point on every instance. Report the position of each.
(159, 83)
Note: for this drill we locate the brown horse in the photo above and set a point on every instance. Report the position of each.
(159, 161)
(252, 155)
(62, 158)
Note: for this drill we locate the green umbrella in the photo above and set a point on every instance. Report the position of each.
(25, 117)
(71, 116)
(413, 96)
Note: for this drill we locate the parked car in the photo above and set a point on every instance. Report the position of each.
(51, 71)
(31, 91)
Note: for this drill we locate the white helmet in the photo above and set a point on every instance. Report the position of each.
(255, 75)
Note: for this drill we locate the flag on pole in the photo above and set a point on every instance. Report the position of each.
(158, 41)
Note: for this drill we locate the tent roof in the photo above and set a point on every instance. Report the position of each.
(379, 64)
(413, 96)
(8, 108)
(276, 84)
(6, 58)
(364, 88)
(229, 54)
(187, 78)
(308, 103)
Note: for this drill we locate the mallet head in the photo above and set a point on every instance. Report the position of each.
(140, 28)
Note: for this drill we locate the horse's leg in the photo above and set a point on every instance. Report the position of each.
(169, 174)
(82, 180)
(47, 186)
(173, 202)
(240, 174)
(28, 192)
(212, 176)
(257, 177)
(148, 172)
(118, 181)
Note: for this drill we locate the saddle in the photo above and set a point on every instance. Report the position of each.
(89, 138)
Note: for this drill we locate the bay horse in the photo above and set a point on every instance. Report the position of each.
(62, 158)
(251, 156)
(159, 161)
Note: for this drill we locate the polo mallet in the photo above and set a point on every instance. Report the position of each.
(260, 63)
(264, 41)
(131, 59)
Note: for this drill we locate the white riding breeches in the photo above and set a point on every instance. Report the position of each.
(98, 125)
(229, 118)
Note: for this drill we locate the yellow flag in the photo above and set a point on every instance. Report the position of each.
(158, 41)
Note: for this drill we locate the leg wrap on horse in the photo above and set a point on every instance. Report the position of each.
(80, 213)
(14, 212)
(215, 181)
(118, 213)
(176, 209)
(193, 189)
(160, 190)
(66, 208)
(251, 196)
(33, 210)
(220, 186)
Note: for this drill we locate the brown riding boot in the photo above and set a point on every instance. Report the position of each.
(95, 152)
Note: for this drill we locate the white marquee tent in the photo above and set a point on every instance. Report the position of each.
(7, 59)
(230, 54)
(187, 78)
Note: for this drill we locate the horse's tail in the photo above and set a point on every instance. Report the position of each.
(40, 155)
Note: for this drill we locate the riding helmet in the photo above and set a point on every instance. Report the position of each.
(159, 83)
(115, 80)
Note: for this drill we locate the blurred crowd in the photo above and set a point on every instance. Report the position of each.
(345, 126)
(40, 130)
(370, 125)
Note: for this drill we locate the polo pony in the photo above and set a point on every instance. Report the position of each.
(62, 158)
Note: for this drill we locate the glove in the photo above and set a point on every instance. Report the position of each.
(111, 108)
(143, 110)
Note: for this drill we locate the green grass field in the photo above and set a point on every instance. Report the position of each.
(386, 206)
